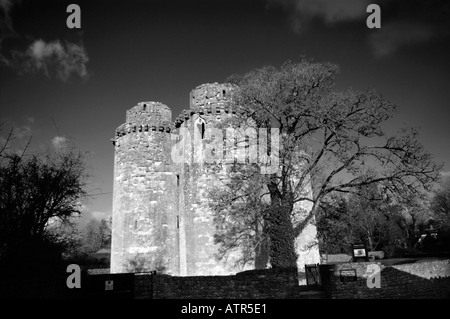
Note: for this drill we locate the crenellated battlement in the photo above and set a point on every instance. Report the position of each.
(151, 113)
(209, 94)
(146, 117)
(128, 128)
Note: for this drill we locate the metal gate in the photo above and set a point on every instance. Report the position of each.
(312, 275)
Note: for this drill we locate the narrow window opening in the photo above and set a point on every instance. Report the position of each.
(145, 106)
(135, 224)
(178, 221)
(223, 93)
(178, 180)
(201, 128)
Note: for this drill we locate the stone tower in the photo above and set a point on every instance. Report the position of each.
(144, 231)
(209, 104)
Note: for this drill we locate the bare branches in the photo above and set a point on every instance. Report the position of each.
(7, 142)
(330, 141)
(440, 203)
(39, 192)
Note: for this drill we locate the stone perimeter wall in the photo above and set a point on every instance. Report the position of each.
(419, 280)
(252, 284)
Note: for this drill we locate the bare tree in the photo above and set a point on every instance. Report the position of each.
(39, 195)
(97, 235)
(332, 140)
(238, 216)
(332, 221)
(440, 203)
(5, 143)
(369, 213)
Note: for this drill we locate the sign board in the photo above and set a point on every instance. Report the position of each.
(109, 285)
(347, 275)
(359, 252)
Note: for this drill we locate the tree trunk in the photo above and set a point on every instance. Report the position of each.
(282, 239)
(262, 255)
(262, 249)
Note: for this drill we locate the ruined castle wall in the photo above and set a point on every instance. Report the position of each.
(144, 230)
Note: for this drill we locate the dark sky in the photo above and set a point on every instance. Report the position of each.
(84, 80)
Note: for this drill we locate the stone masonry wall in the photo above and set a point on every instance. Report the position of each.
(423, 279)
(254, 284)
(153, 113)
(210, 94)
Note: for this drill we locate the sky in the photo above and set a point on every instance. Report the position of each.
(73, 86)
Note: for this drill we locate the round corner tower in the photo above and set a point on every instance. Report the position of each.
(144, 204)
(209, 104)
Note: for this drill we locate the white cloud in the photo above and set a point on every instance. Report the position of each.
(55, 58)
(41, 50)
(333, 11)
(419, 22)
(330, 11)
(391, 37)
(59, 142)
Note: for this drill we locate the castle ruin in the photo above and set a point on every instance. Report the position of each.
(160, 220)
